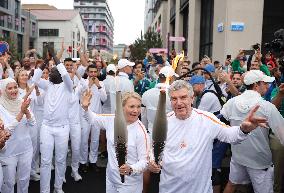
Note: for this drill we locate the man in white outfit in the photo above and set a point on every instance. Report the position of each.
(122, 80)
(79, 86)
(98, 89)
(187, 157)
(55, 126)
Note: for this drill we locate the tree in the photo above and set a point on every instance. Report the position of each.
(12, 48)
(141, 45)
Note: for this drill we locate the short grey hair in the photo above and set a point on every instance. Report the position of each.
(180, 84)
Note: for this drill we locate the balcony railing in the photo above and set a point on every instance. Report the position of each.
(183, 4)
(172, 13)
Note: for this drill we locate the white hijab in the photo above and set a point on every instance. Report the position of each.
(12, 106)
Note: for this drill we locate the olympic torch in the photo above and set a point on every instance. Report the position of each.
(120, 133)
(160, 128)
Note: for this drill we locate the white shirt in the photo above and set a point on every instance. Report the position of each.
(109, 104)
(210, 102)
(78, 88)
(150, 100)
(57, 97)
(20, 140)
(99, 96)
(255, 151)
(137, 148)
(187, 159)
(124, 84)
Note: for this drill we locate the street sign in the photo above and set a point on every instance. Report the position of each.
(237, 26)
(158, 50)
(177, 39)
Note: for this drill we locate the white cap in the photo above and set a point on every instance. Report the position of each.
(111, 67)
(123, 63)
(168, 71)
(254, 76)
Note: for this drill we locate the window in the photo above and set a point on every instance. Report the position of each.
(17, 8)
(2, 21)
(48, 32)
(4, 4)
(206, 28)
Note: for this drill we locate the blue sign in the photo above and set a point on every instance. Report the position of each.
(220, 27)
(237, 26)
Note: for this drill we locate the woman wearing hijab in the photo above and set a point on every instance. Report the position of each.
(16, 158)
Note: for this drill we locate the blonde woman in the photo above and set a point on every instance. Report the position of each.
(137, 147)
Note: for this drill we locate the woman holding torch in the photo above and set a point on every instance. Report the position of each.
(137, 144)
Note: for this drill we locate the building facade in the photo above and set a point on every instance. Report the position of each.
(99, 23)
(217, 28)
(118, 50)
(56, 25)
(18, 25)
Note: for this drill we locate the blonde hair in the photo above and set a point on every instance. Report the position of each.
(128, 95)
(17, 77)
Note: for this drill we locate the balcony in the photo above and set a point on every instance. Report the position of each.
(183, 4)
(4, 11)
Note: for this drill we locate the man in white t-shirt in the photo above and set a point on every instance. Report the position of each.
(187, 157)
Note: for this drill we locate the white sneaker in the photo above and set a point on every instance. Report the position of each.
(64, 180)
(76, 176)
(52, 167)
(58, 190)
(35, 177)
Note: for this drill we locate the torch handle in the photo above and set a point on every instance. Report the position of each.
(122, 178)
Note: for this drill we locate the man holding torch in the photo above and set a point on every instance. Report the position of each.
(187, 157)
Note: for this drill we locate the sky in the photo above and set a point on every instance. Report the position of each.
(128, 16)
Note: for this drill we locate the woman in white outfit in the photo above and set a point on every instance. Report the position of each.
(137, 145)
(16, 157)
(36, 106)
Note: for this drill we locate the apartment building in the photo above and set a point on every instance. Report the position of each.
(18, 25)
(99, 22)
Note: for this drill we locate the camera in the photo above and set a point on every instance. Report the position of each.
(276, 46)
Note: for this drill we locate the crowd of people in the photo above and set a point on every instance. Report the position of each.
(215, 111)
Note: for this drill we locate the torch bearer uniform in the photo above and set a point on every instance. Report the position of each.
(137, 154)
(96, 107)
(75, 124)
(187, 157)
(109, 104)
(55, 127)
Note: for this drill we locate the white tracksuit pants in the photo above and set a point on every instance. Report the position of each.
(121, 188)
(94, 145)
(35, 136)
(17, 168)
(75, 136)
(50, 138)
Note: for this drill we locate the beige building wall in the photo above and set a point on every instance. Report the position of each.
(194, 29)
(163, 13)
(229, 42)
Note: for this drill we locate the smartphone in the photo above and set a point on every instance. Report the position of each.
(229, 57)
(249, 52)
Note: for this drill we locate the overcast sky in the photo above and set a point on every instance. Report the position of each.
(128, 16)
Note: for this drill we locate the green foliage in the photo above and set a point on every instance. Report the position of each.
(141, 45)
(12, 48)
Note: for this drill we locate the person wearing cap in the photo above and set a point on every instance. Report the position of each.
(208, 82)
(125, 69)
(151, 97)
(251, 159)
(109, 82)
(186, 161)
(97, 89)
